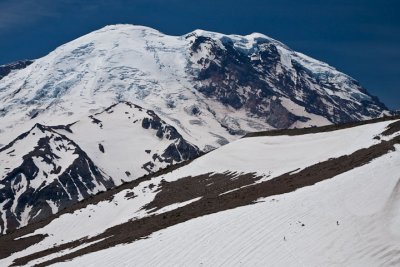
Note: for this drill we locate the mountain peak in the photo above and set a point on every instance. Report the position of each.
(227, 84)
(126, 28)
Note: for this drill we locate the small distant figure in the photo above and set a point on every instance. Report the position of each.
(284, 238)
(337, 222)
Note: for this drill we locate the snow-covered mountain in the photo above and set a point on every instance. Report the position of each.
(322, 196)
(208, 85)
(126, 101)
(45, 170)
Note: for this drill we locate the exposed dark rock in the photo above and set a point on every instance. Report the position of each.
(180, 151)
(101, 148)
(63, 127)
(279, 117)
(230, 75)
(130, 195)
(148, 166)
(160, 133)
(96, 121)
(392, 128)
(146, 123)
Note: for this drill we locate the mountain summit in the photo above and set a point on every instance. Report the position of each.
(209, 85)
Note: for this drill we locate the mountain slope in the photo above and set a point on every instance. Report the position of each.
(273, 82)
(349, 221)
(234, 206)
(128, 141)
(211, 87)
(50, 168)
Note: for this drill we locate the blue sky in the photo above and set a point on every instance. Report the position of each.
(358, 37)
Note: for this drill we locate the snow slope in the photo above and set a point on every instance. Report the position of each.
(275, 155)
(128, 141)
(350, 220)
(347, 216)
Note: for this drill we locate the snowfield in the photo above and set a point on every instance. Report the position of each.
(350, 219)
(272, 156)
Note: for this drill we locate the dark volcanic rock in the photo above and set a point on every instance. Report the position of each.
(101, 148)
(181, 151)
(178, 151)
(256, 78)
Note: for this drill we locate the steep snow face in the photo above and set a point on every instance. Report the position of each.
(41, 173)
(211, 87)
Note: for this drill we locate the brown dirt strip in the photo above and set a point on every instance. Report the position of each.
(208, 185)
(213, 202)
(392, 128)
(311, 130)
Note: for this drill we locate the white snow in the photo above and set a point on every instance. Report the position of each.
(276, 155)
(316, 120)
(350, 220)
(55, 255)
(349, 198)
(124, 140)
(175, 206)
